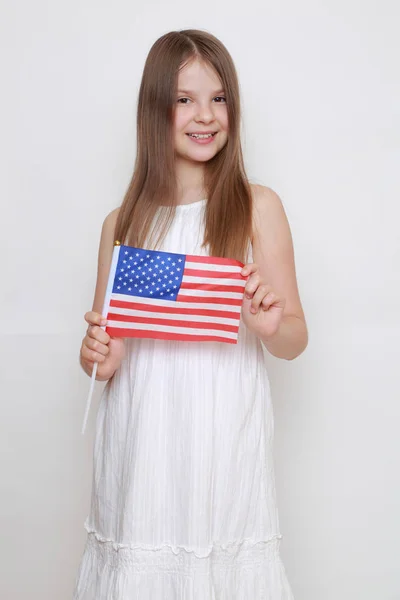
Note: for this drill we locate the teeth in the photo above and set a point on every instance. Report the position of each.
(200, 135)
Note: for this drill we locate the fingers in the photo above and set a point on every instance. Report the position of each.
(97, 333)
(252, 285)
(263, 298)
(94, 318)
(94, 344)
(94, 350)
(249, 269)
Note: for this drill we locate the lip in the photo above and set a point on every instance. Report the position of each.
(201, 132)
(203, 141)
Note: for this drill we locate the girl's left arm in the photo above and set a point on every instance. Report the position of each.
(272, 307)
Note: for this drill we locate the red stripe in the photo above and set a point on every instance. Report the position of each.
(161, 335)
(211, 288)
(206, 312)
(173, 322)
(218, 274)
(201, 299)
(214, 260)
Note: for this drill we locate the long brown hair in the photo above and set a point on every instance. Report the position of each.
(228, 214)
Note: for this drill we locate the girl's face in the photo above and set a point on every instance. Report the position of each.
(200, 109)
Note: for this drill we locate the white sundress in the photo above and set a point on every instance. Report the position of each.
(183, 494)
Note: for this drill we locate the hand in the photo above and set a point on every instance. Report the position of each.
(262, 309)
(98, 346)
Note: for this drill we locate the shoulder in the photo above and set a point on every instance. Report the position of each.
(265, 199)
(111, 220)
(268, 211)
(107, 237)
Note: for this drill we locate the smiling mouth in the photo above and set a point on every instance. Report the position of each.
(202, 136)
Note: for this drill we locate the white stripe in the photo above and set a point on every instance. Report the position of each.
(173, 316)
(214, 281)
(208, 267)
(157, 302)
(208, 294)
(170, 329)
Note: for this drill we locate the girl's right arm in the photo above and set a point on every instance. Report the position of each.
(97, 345)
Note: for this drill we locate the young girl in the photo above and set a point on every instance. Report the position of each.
(183, 498)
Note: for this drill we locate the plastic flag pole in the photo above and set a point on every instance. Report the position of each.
(106, 305)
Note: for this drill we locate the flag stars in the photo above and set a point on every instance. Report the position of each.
(146, 273)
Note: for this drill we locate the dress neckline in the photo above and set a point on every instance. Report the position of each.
(185, 207)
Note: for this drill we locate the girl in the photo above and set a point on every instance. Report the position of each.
(183, 497)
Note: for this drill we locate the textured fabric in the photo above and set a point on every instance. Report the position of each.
(183, 494)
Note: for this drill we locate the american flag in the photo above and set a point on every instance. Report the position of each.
(169, 296)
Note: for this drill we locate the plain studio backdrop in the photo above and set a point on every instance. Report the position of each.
(320, 90)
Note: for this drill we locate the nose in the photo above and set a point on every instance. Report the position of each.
(205, 114)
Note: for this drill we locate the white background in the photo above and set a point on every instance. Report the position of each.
(321, 116)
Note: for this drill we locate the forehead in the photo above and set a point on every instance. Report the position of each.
(196, 75)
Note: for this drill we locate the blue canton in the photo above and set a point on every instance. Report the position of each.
(148, 274)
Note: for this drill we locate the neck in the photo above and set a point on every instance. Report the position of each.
(189, 177)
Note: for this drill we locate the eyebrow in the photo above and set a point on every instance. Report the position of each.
(193, 93)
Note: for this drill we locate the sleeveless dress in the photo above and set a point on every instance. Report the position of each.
(183, 493)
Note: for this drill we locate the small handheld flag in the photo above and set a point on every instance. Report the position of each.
(170, 296)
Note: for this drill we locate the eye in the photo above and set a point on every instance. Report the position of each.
(179, 100)
(221, 98)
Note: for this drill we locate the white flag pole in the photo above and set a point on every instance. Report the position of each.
(106, 305)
